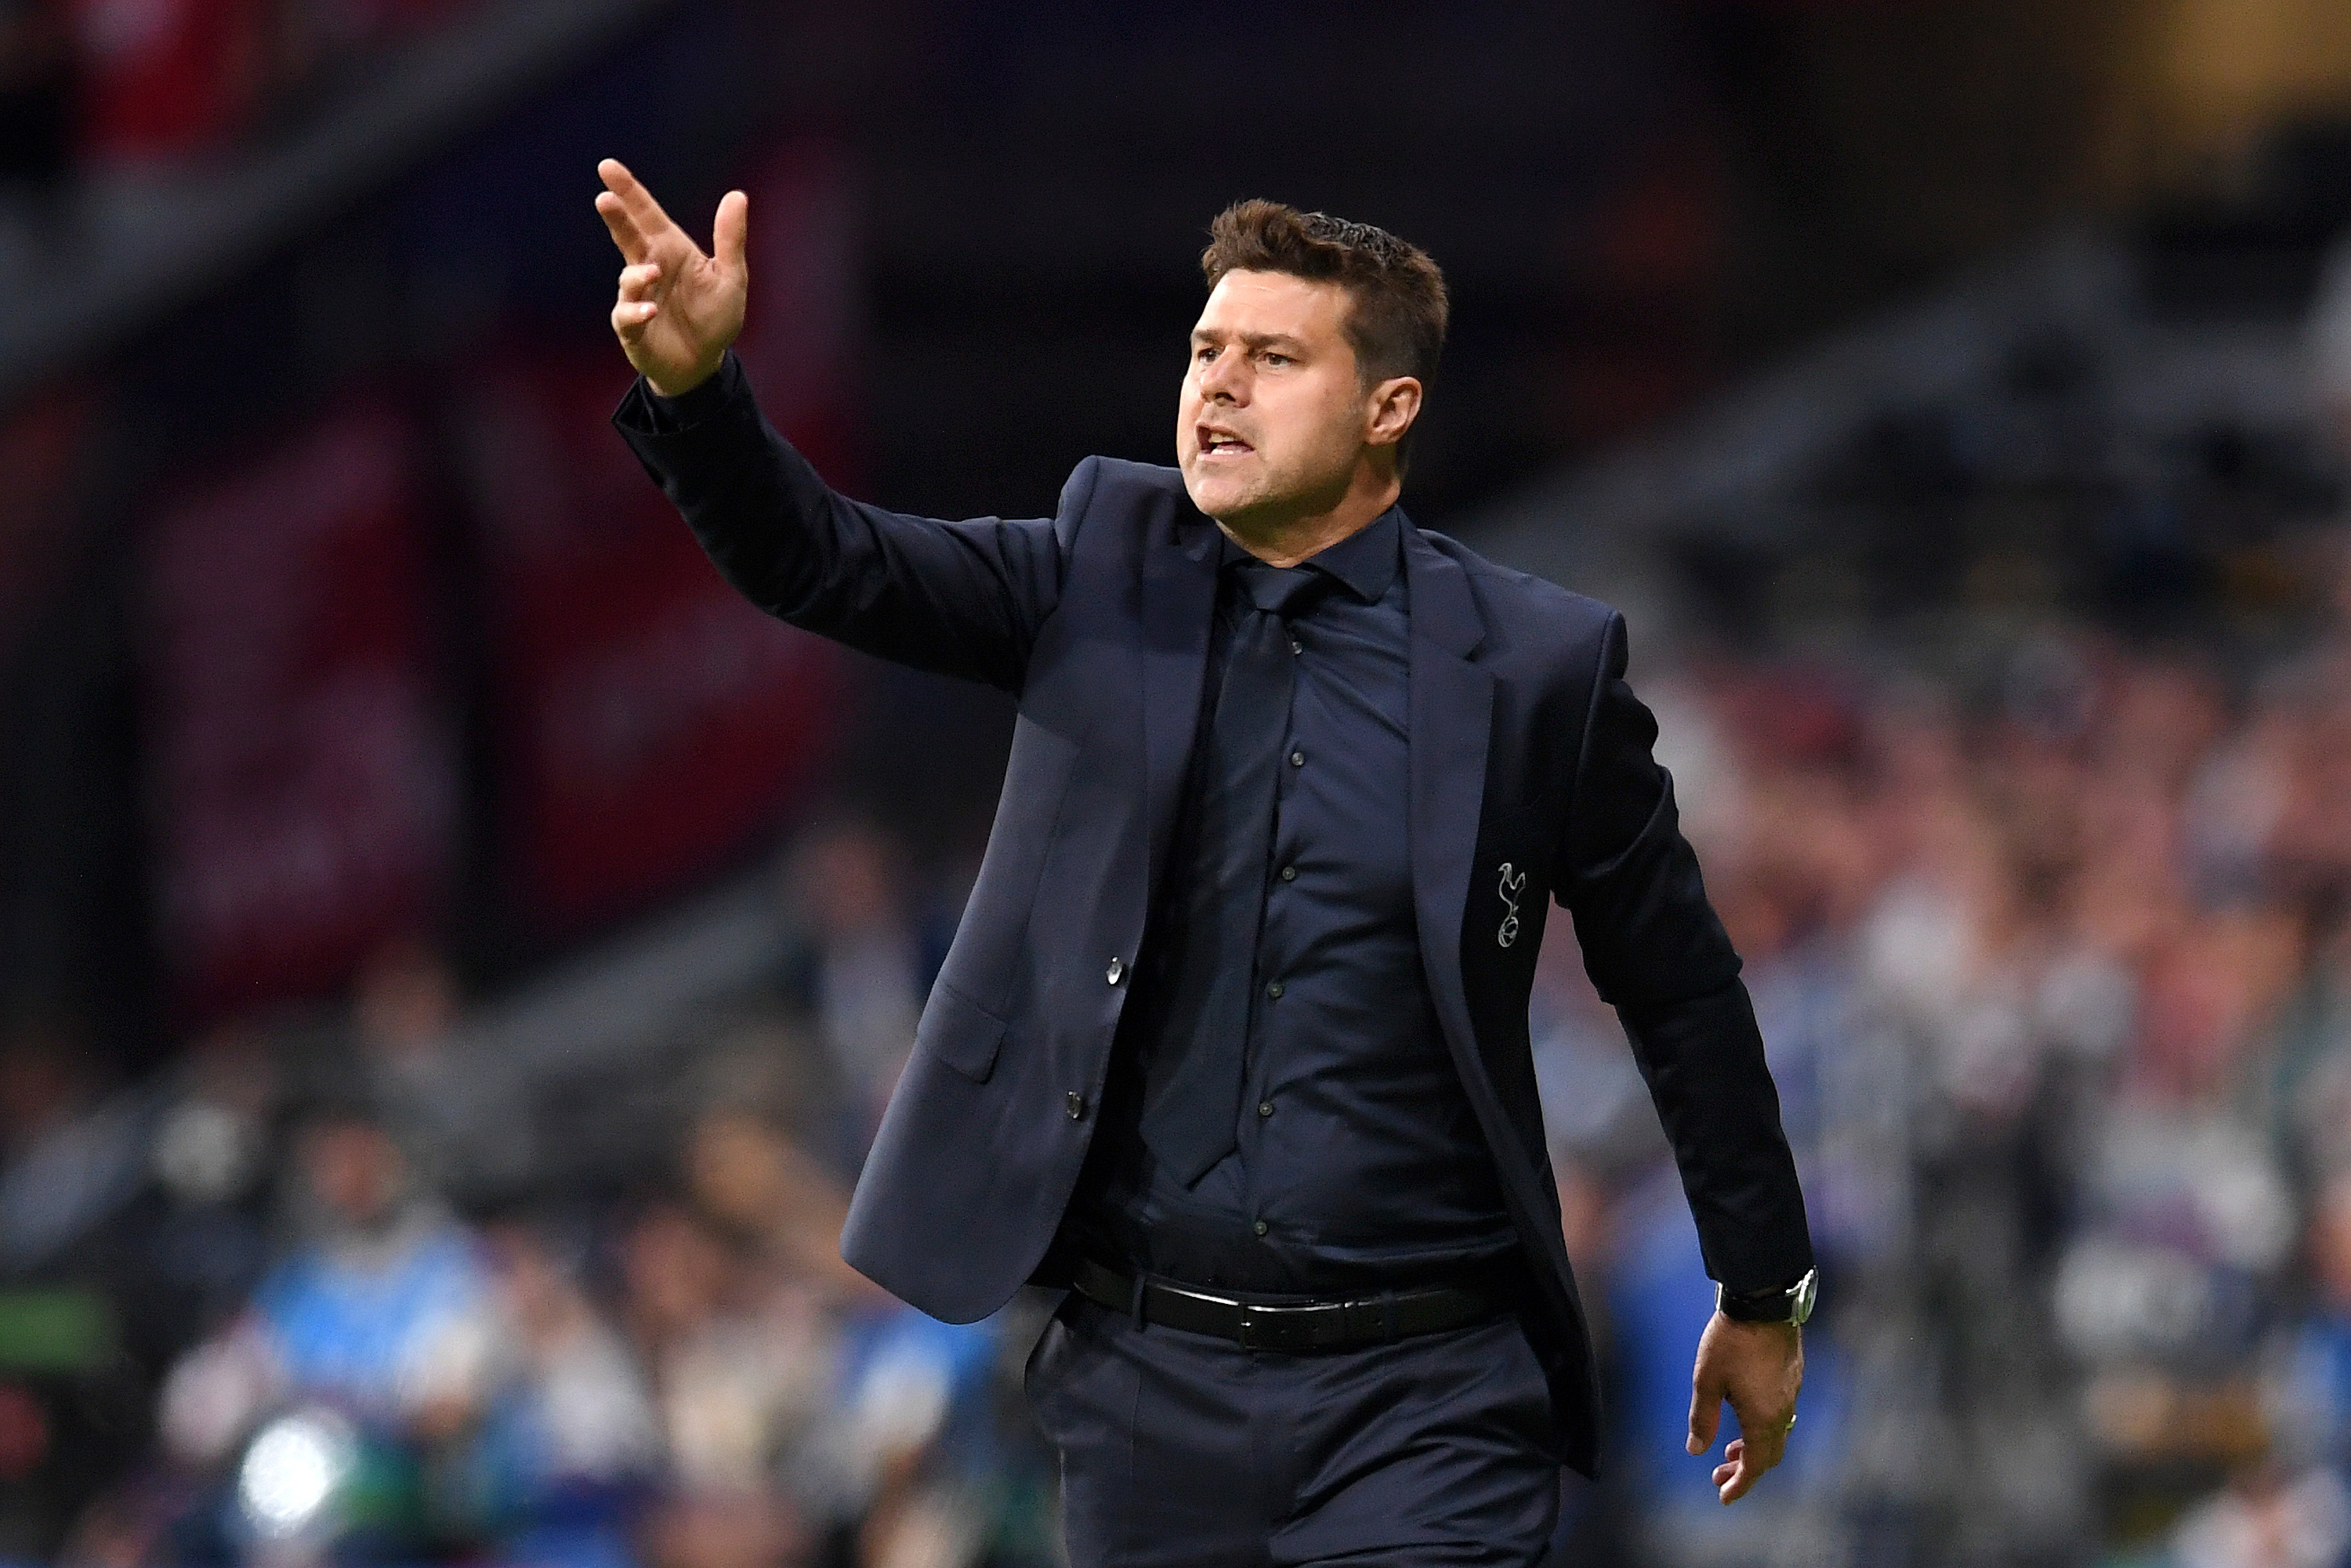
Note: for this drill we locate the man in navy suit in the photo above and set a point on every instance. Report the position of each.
(1232, 1040)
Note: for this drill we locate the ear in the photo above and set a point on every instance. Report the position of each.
(1389, 408)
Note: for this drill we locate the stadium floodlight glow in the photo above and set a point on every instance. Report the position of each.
(292, 1472)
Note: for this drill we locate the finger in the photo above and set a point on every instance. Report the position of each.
(1706, 1414)
(623, 231)
(629, 318)
(730, 232)
(1762, 1438)
(635, 200)
(636, 280)
(1741, 1469)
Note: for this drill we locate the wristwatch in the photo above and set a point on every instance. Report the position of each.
(1788, 1304)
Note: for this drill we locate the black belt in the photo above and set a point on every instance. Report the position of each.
(1301, 1326)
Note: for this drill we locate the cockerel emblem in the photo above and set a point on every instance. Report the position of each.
(1511, 886)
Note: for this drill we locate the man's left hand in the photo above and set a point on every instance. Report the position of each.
(1757, 1367)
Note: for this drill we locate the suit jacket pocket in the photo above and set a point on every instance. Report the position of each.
(961, 1033)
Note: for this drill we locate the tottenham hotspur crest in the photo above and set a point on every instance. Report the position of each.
(1511, 886)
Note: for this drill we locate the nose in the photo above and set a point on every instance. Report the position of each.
(1221, 379)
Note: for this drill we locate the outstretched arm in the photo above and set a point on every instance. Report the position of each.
(957, 598)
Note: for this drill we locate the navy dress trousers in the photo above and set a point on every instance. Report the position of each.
(1454, 748)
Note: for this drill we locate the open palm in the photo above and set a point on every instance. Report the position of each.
(678, 309)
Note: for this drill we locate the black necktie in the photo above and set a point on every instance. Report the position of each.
(1192, 1082)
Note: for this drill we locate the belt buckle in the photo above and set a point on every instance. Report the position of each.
(1262, 1324)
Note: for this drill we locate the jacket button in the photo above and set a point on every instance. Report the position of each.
(1077, 1103)
(1265, 1107)
(1274, 990)
(1259, 1227)
(1116, 971)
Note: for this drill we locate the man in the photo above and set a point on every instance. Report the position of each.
(388, 1310)
(1233, 1037)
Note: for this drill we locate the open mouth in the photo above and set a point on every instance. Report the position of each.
(1222, 444)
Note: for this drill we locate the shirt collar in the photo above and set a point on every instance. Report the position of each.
(1366, 560)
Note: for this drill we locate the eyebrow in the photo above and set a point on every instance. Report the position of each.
(1255, 339)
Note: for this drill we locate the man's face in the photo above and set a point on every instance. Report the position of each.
(356, 1171)
(1274, 412)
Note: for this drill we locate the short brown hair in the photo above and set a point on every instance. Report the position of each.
(1396, 326)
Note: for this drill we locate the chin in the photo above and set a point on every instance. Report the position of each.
(1216, 495)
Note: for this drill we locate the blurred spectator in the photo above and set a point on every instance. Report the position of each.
(737, 1382)
(792, 1388)
(69, 1157)
(211, 1151)
(385, 1309)
(211, 1144)
(404, 1003)
(768, 1194)
(861, 978)
(569, 1442)
(2269, 1520)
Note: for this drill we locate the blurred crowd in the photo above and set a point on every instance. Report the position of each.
(304, 1338)
(2055, 969)
(2051, 942)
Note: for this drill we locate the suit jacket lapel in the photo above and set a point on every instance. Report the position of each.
(1451, 706)
(1179, 591)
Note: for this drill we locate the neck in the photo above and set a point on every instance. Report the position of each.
(1287, 535)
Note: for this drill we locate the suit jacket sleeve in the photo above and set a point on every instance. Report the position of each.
(1656, 951)
(957, 598)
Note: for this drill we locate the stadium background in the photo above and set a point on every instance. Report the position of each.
(451, 954)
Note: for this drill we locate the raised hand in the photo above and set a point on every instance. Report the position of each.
(678, 309)
(1757, 1367)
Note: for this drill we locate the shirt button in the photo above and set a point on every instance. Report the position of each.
(1298, 759)
(1117, 968)
(1296, 646)
(1265, 1107)
(1077, 1105)
(1290, 874)
(1274, 990)
(1259, 1227)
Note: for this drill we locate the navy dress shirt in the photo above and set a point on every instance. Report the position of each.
(1359, 1163)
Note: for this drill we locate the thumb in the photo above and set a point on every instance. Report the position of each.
(1705, 1414)
(729, 236)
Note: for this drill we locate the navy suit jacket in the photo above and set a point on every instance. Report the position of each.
(1532, 779)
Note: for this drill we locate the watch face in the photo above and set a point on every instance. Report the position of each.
(1800, 1300)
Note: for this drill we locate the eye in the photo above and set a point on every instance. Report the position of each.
(1204, 353)
(1273, 358)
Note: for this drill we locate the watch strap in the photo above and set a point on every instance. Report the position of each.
(1781, 1304)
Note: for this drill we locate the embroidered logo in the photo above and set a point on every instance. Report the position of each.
(1511, 887)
